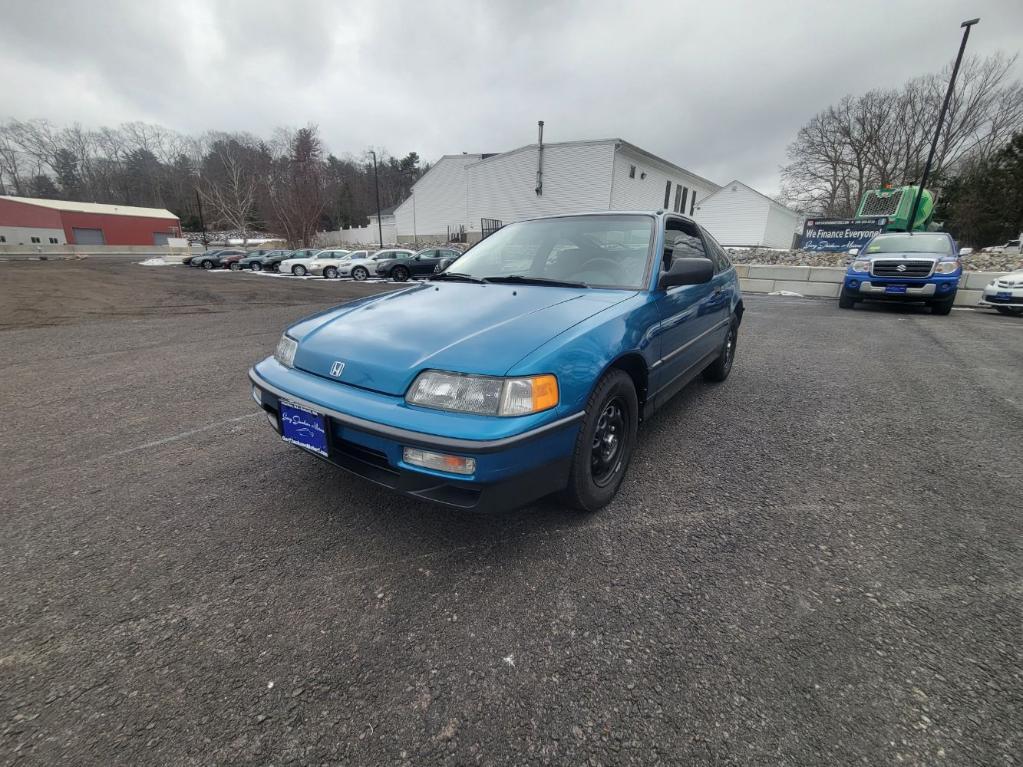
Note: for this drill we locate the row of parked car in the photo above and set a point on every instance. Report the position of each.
(398, 264)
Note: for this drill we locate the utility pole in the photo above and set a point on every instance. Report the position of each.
(376, 179)
(941, 119)
(202, 222)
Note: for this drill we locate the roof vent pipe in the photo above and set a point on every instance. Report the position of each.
(539, 161)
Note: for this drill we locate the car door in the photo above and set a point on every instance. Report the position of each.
(425, 262)
(687, 331)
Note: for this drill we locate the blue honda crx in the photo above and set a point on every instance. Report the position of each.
(523, 369)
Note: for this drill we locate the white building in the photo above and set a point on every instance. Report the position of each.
(542, 180)
(739, 216)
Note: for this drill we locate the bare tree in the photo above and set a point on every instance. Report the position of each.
(883, 136)
(229, 184)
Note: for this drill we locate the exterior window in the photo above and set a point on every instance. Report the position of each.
(685, 195)
(35, 239)
(53, 240)
(2, 238)
(632, 171)
(692, 203)
(667, 194)
(679, 199)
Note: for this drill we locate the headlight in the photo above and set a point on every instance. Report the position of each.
(285, 352)
(946, 267)
(861, 266)
(484, 395)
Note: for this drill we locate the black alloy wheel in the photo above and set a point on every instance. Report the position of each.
(606, 446)
(399, 273)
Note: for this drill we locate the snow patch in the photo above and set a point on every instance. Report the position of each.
(789, 293)
(158, 261)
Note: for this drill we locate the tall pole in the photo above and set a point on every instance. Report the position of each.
(202, 222)
(376, 179)
(941, 119)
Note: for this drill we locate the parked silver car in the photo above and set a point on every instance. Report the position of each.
(300, 266)
(1005, 293)
(361, 268)
(331, 267)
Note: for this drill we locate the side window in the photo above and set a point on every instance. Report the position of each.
(681, 240)
(717, 254)
(667, 194)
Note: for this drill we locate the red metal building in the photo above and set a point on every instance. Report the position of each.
(30, 221)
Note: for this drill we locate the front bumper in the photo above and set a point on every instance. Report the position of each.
(937, 286)
(511, 470)
(991, 297)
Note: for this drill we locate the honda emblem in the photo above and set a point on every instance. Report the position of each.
(337, 368)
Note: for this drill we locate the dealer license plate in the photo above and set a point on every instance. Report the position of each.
(895, 289)
(303, 428)
(1004, 295)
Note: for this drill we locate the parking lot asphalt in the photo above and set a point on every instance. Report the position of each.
(819, 561)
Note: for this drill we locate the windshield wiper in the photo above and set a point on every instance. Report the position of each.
(455, 277)
(522, 279)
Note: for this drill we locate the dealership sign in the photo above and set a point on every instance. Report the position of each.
(837, 234)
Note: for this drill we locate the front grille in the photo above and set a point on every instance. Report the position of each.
(913, 269)
(881, 206)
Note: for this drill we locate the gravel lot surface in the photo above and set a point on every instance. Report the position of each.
(818, 562)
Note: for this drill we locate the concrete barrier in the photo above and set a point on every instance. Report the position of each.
(119, 252)
(826, 282)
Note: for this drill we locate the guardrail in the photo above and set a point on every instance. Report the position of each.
(825, 281)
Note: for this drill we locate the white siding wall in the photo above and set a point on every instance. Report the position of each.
(576, 179)
(781, 224)
(648, 193)
(22, 235)
(368, 236)
(736, 218)
(439, 199)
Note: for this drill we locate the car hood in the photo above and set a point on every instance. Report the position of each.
(907, 256)
(386, 340)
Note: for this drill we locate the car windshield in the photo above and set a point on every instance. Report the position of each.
(606, 251)
(911, 243)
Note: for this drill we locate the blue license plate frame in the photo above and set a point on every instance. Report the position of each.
(897, 290)
(1004, 295)
(303, 427)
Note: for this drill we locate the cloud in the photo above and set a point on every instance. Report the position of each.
(720, 88)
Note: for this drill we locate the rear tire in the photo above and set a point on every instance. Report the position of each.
(359, 273)
(943, 307)
(1012, 311)
(330, 272)
(605, 443)
(719, 369)
(234, 266)
(299, 270)
(845, 299)
(399, 274)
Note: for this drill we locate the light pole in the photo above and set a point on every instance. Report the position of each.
(376, 180)
(941, 119)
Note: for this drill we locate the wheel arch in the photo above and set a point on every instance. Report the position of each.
(633, 364)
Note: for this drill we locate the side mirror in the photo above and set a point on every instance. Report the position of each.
(853, 251)
(686, 271)
(418, 258)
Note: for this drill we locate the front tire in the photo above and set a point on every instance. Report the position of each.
(359, 273)
(719, 369)
(943, 307)
(299, 270)
(845, 299)
(605, 443)
(330, 272)
(399, 274)
(207, 264)
(256, 266)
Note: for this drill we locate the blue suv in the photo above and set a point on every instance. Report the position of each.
(898, 266)
(521, 370)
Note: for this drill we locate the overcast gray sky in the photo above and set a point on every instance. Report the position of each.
(717, 87)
